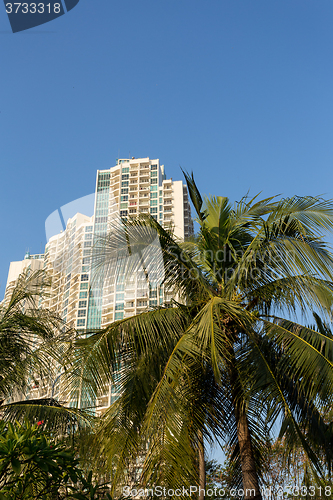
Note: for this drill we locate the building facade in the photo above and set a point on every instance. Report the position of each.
(131, 188)
(30, 263)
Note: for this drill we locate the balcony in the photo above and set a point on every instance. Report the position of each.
(141, 304)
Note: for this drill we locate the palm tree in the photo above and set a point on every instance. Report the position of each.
(222, 363)
(294, 468)
(33, 342)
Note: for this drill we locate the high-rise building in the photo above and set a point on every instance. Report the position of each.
(30, 263)
(133, 187)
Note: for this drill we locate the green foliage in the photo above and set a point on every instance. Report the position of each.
(33, 343)
(224, 362)
(35, 466)
(218, 479)
(27, 335)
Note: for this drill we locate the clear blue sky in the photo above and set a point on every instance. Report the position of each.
(239, 91)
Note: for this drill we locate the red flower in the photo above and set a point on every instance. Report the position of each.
(40, 422)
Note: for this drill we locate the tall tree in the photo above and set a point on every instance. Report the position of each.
(222, 362)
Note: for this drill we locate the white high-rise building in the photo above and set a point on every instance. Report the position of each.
(133, 187)
(30, 263)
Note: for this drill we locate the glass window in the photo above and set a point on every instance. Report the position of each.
(119, 296)
(153, 303)
(89, 229)
(86, 260)
(83, 295)
(119, 307)
(84, 277)
(123, 205)
(84, 286)
(88, 236)
(82, 303)
(103, 176)
(81, 322)
(120, 288)
(85, 269)
(142, 303)
(118, 315)
(123, 213)
(125, 170)
(153, 167)
(87, 244)
(153, 203)
(153, 210)
(124, 198)
(82, 313)
(124, 184)
(153, 195)
(65, 303)
(153, 181)
(153, 188)
(153, 174)
(125, 177)
(124, 191)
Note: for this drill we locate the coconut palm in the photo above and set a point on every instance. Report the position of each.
(223, 362)
(33, 341)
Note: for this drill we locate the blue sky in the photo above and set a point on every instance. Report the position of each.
(239, 91)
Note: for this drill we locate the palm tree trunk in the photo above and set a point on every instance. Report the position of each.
(249, 470)
(202, 470)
